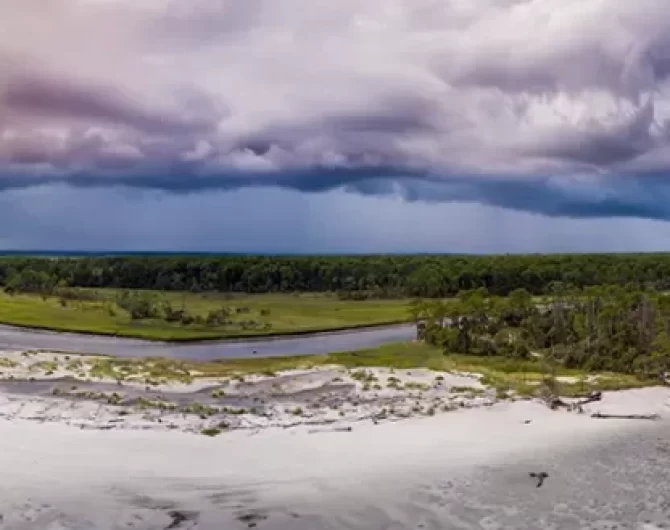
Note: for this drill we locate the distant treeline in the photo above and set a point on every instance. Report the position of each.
(355, 277)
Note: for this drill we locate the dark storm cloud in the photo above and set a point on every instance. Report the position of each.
(522, 105)
(66, 217)
(646, 198)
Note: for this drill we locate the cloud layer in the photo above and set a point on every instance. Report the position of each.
(271, 220)
(560, 107)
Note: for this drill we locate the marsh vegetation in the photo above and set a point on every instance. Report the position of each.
(191, 316)
(181, 298)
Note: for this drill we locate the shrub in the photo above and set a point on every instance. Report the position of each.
(211, 431)
(200, 409)
(7, 363)
(461, 389)
(114, 399)
(363, 376)
(217, 393)
(139, 305)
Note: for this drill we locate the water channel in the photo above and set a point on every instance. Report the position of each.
(316, 343)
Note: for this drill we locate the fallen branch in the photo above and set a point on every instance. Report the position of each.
(554, 403)
(593, 396)
(598, 415)
(332, 429)
(539, 477)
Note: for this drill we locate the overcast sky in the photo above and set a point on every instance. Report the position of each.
(347, 126)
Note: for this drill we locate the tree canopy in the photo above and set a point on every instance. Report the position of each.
(351, 276)
(598, 328)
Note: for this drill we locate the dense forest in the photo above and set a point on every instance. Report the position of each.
(350, 276)
(598, 328)
(597, 311)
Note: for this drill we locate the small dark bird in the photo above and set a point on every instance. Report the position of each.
(540, 477)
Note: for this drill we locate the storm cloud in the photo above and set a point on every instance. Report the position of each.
(556, 107)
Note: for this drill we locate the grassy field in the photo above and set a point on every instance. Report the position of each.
(278, 313)
(524, 377)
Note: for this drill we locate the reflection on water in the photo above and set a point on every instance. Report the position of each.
(15, 338)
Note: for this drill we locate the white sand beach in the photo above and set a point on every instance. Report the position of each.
(462, 467)
(89, 392)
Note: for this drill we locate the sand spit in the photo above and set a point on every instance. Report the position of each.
(88, 392)
(373, 448)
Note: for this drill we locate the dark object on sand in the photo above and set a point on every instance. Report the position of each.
(625, 416)
(540, 477)
(593, 396)
(252, 519)
(179, 517)
(554, 402)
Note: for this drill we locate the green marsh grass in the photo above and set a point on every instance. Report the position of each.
(285, 314)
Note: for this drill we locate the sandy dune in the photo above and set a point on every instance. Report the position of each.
(463, 469)
(88, 392)
(84, 445)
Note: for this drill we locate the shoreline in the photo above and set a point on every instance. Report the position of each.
(321, 343)
(103, 453)
(104, 392)
(218, 340)
(469, 466)
(99, 392)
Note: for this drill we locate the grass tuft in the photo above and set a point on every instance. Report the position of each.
(211, 431)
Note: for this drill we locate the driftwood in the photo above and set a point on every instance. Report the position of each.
(332, 429)
(555, 402)
(540, 477)
(625, 416)
(179, 517)
(593, 396)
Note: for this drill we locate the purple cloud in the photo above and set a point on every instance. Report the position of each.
(58, 98)
(432, 96)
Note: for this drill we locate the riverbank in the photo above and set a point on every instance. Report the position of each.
(380, 385)
(12, 338)
(213, 339)
(463, 469)
(186, 317)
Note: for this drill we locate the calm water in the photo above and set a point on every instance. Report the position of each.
(16, 338)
